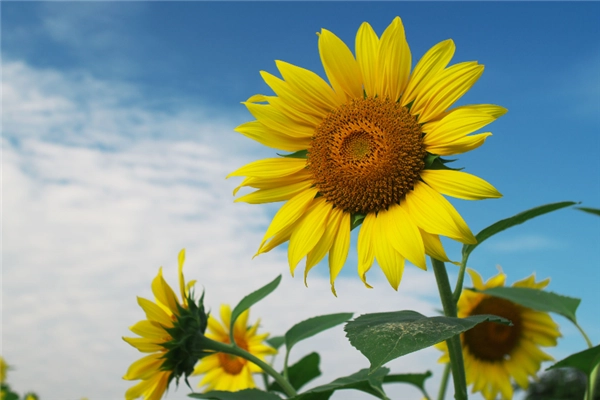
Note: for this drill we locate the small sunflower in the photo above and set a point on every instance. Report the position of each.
(225, 371)
(3, 369)
(169, 334)
(495, 353)
(366, 148)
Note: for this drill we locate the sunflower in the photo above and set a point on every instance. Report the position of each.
(170, 325)
(367, 149)
(3, 368)
(228, 372)
(495, 353)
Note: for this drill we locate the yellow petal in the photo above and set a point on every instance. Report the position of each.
(326, 241)
(394, 61)
(459, 146)
(298, 116)
(339, 250)
(149, 330)
(366, 254)
(155, 313)
(271, 138)
(434, 214)
(181, 261)
(275, 194)
(367, 48)
(271, 167)
(241, 324)
(144, 367)
(447, 87)
(476, 279)
(277, 239)
(163, 293)
(206, 364)
(459, 184)
(144, 345)
(311, 85)
(340, 66)
(139, 389)
(404, 235)
(434, 61)
(271, 183)
(455, 125)
(390, 261)
(216, 328)
(289, 213)
(308, 232)
(276, 120)
(497, 280)
(433, 246)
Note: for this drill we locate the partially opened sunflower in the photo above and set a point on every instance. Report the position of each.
(366, 149)
(496, 354)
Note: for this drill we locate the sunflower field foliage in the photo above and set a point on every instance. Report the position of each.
(366, 149)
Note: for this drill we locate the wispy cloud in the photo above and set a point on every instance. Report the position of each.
(521, 243)
(99, 191)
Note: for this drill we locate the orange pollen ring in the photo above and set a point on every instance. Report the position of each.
(366, 155)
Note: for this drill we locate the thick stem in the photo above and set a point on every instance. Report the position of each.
(454, 346)
(444, 383)
(209, 344)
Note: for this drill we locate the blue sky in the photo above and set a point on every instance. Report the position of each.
(118, 130)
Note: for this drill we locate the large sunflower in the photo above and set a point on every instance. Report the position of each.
(225, 371)
(495, 353)
(367, 149)
(168, 326)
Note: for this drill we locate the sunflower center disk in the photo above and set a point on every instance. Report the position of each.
(366, 155)
(233, 365)
(491, 341)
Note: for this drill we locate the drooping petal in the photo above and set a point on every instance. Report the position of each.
(447, 87)
(434, 61)
(434, 214)
(271, 167)
(367, 48)
(339, 249)
(404, 235)
(340, 66)
(459, 184)
(308, 232)
(394, 61)
(390, 261)
(366, 254)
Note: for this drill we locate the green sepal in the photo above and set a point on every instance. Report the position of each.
(302, 372)
(382, 337)
(356, 219)
(433, 161)
(246, 394)
(297, 154)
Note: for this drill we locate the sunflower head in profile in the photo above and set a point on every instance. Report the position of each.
(170, 334)
(228, 372)
(366, 149)
(495, 353)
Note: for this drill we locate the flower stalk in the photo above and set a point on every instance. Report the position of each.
(454, 346)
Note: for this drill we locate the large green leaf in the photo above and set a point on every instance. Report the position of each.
(247, 394)
(312, 326)
(417, 380)
(252, 299)
(585, 361)
(539, 300)
(362, 380)
(510, 222)
(301, 372)
(382, 337)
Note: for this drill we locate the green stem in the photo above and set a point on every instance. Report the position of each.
(285, 363)
(460, 280)
(454, 346)
(592, 380)
(209, 344)
(444, 383)
(585, 336)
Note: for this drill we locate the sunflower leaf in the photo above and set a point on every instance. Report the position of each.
(517, 219)
(539, 300)
(301, 373)
(362, 380)
(595, 211)
(246, 394)
(417, 380)
(312, 326)
(382, 337)
(276, 342)
(585, 360)
(252, 299)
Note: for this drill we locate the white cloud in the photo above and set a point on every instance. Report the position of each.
(98, 192)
